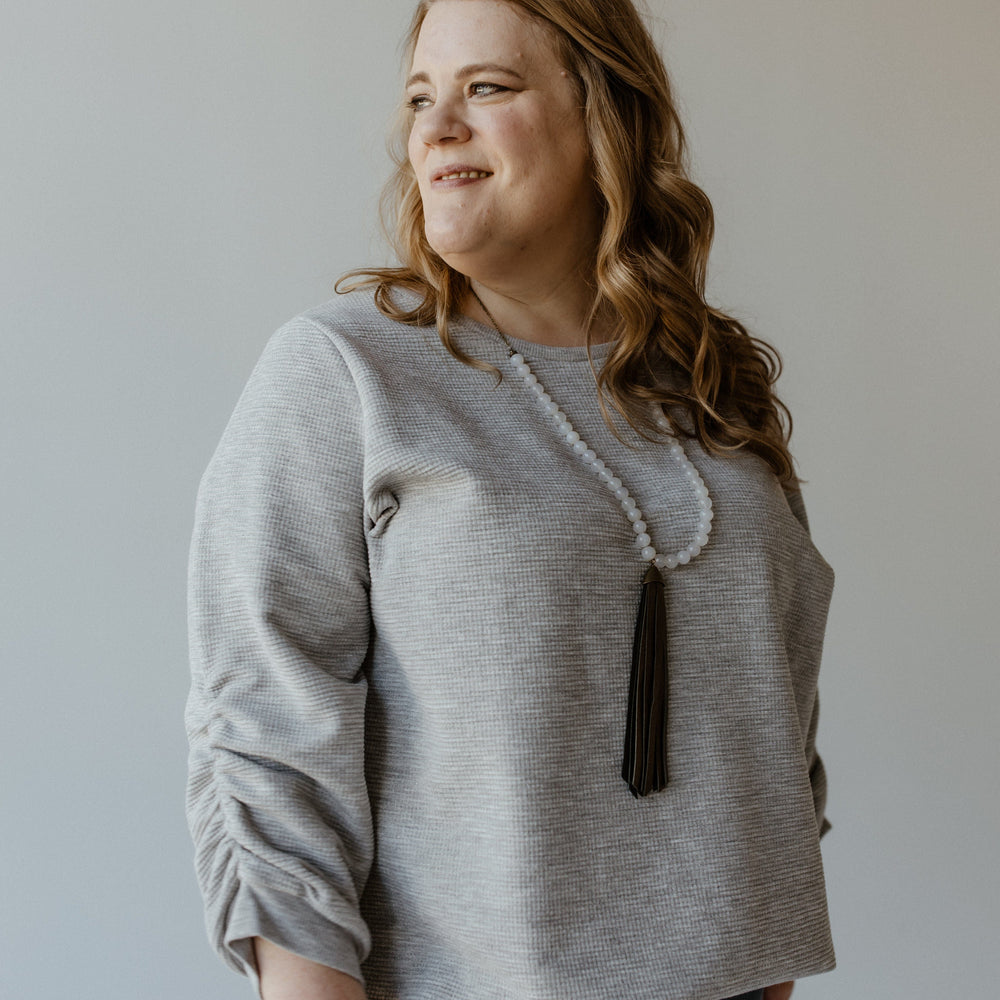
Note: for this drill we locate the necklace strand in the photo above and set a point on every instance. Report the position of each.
(587, 455)
(644, 757)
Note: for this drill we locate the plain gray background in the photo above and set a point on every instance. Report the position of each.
(179, 178)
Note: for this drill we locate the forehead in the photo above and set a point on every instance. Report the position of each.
(463, 31)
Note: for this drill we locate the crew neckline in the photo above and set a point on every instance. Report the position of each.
(532, 351)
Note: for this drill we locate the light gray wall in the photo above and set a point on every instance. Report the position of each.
(177, 179)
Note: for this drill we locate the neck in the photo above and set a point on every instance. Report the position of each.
(558, 315)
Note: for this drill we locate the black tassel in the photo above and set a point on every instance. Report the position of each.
(644, 766)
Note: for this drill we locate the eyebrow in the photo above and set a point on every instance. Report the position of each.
(471, 70)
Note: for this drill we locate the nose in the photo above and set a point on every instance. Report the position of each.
(443, 122)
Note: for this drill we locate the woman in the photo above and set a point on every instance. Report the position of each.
(419, 672)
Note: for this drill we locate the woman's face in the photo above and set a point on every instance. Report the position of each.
(498, 142)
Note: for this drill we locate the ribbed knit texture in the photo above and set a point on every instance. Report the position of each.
(412, 611)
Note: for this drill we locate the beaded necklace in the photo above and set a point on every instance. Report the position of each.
(644, 766)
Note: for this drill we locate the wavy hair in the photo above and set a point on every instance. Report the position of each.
(670, 347)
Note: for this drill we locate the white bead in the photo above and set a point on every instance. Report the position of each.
(589, 456)
(642, 540)
(580, 447)
(628, 503)
(638, 524)
(605, 474)
(539, 390)
(517, 359)
(701, 539)
(660, 562)
(614, 482)
(572, 437)
(551, 407)
(558, 416)
(530, 379)
(684, 557)
(700, 492)
(598, 465)
(620, 493)
(671, 562)
(692, 551)
(648, 553)
(522, 369)
(676, 450)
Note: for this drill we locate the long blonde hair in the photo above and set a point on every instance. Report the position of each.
(670, 346)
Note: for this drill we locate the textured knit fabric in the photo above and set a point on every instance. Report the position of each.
(412, 610)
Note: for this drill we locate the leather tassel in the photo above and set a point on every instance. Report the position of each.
(644, 766)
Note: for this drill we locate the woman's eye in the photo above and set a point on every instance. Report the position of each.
(418, 102)
(485, 89)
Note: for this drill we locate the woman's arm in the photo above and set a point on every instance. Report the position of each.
(781, 991)
(280, 624)
(287, 976)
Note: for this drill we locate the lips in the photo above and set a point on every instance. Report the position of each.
(452, 172)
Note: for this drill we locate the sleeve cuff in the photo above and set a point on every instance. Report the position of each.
(290, 923)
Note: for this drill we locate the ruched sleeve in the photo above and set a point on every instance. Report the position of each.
(279, 626)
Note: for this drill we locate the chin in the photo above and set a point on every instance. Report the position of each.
(456, 229)
(451, 245)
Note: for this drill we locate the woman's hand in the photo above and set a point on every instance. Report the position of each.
(782, 991)
(287, 976)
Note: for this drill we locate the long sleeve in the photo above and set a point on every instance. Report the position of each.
(279, 625)
(817, 772)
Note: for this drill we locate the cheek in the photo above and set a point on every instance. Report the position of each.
(526, 147)
(570, 139)
(416, 153)
(554, 146)
(413, 148)
(514, 133)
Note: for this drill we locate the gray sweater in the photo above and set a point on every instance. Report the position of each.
(411, 613)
